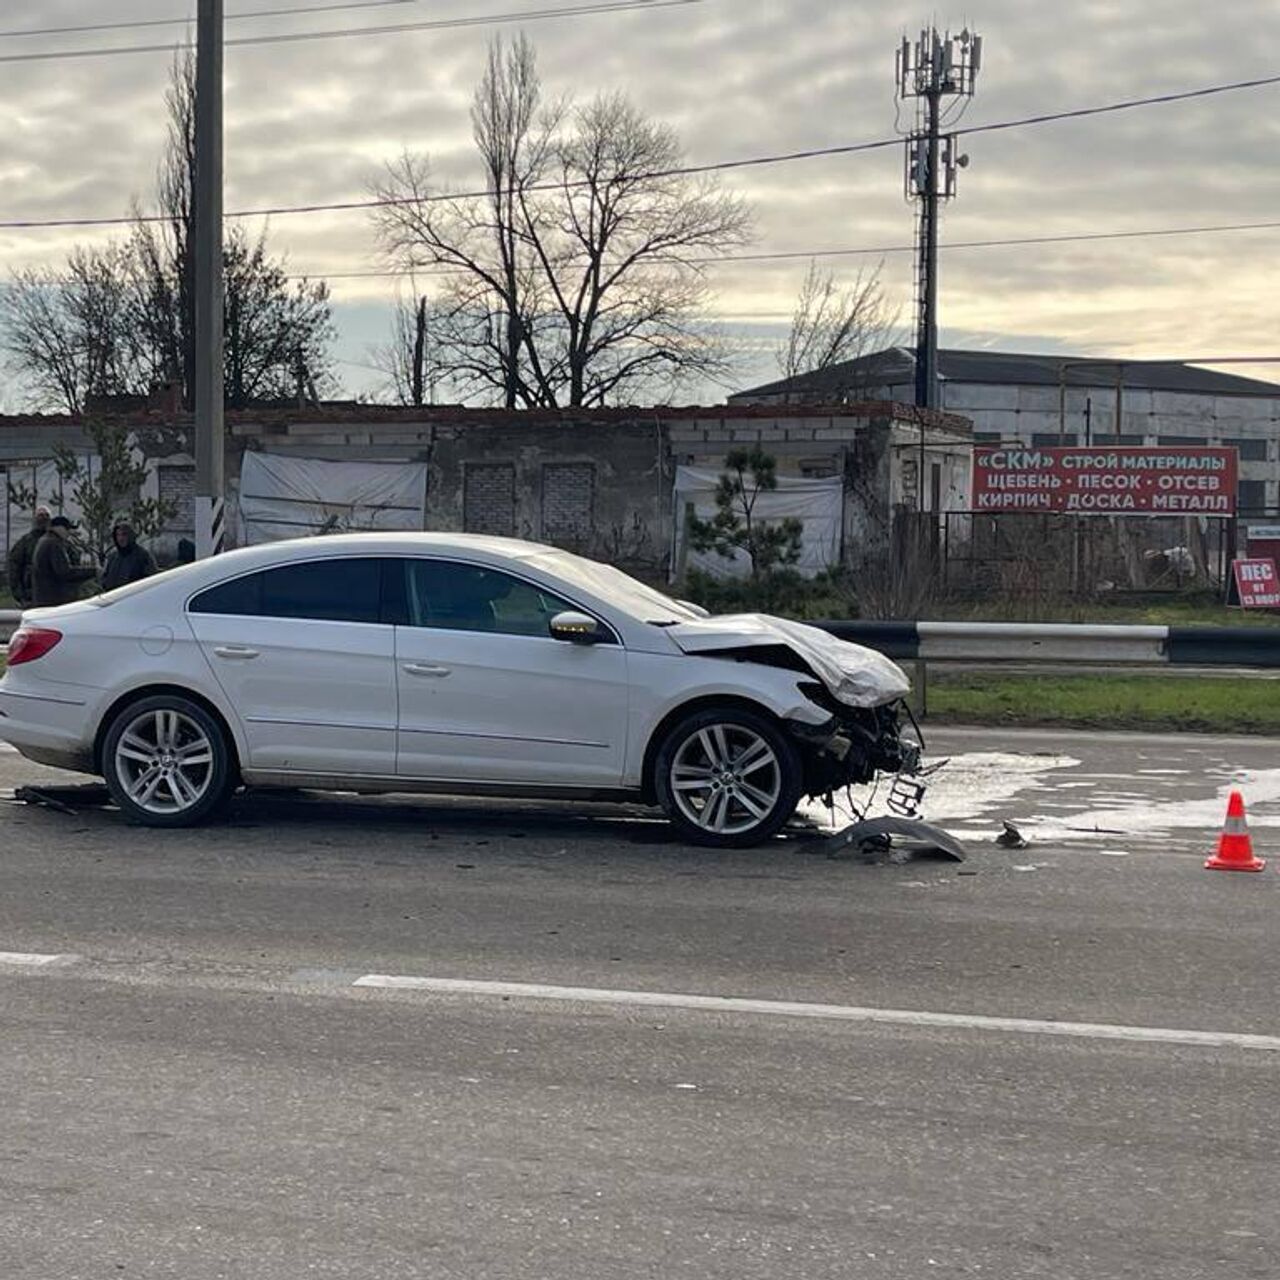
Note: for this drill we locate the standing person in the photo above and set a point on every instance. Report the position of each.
(22, 553)
(54, 575)
(127, 561)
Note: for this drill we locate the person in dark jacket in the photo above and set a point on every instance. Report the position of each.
(127, 561)
(54, 574)
(21, 555)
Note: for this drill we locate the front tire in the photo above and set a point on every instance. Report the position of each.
(727, 778)
(167, 762)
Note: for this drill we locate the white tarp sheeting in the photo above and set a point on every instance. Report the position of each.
(282, 497)
(818, 503)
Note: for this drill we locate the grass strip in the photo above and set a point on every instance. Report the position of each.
(1211, 704)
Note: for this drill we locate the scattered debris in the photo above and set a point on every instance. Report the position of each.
(69, 800)
(872, 840)
(1011, 837)
(906, 797)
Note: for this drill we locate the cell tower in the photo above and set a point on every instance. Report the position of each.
(937, 66)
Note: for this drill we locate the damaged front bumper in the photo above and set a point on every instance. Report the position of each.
(855, 746)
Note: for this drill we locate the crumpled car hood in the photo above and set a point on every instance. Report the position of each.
(856, 676)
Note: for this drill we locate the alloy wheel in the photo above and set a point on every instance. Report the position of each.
(726, 779)
(165, 762)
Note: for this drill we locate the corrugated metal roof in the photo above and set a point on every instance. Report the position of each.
(1007, 368)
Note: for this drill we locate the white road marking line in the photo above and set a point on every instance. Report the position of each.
(835, 1012)
(8, 747)
(32, 959)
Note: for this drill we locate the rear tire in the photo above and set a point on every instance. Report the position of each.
(167, 762)
(728, 778)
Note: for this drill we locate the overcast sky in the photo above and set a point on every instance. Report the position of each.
(312, 122)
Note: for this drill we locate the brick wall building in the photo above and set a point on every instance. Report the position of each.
(600, 482)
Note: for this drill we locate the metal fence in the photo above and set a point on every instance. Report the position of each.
(1052, 555)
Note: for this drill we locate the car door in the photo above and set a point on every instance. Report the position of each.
(307, 664)
(487, 696)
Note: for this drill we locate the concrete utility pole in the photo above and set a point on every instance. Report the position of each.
(936, 67)
(207, 251)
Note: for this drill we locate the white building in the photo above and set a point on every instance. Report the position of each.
(1052, 400)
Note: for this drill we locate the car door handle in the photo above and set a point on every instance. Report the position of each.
(235, 652)
(426, 669)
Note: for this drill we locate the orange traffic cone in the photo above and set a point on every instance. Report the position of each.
(1235, 848)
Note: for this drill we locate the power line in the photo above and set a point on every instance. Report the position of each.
(1127, 104)
(1005, 242)
(682, 171)
(184, 22)
(436, 24)
(791, 255)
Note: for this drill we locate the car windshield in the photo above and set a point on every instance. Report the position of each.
(618, 588)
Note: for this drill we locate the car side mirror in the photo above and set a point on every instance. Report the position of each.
(575, 628)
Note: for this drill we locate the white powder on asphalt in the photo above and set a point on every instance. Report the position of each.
(968, 786)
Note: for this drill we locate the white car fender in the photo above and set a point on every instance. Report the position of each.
(686, 679)
(192, 676)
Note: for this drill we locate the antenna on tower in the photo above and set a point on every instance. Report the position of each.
(937, 65)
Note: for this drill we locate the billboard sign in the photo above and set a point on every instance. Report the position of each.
(1257, 584)
(1104, 481)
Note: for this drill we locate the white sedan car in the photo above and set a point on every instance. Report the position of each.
(445, 663)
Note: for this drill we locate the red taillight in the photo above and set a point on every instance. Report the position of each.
(30, 643)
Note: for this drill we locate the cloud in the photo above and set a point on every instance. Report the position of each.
(311, 122)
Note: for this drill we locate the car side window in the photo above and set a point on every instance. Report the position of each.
(342, 589)
(452, 596)
(240, 596)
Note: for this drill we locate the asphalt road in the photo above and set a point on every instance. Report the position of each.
(195, 1087)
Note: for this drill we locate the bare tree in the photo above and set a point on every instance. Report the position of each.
(410, 359)
(276, 331)
(162, 260)
(69, 332)
(504, 114)
(833, 324)
(122, 319)
(271, 325)
(578, 276)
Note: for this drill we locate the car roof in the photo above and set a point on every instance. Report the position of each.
(372, 544)
(189, 578)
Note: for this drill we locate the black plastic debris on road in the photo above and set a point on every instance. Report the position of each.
(69, 800)
(889, 839)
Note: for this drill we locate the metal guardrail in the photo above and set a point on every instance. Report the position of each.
(1065, 643)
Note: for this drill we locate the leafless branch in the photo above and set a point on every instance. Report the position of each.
(573, 278)
(833, 324)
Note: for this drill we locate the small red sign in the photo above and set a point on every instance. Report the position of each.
(1257, 584)
(1103, 481)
